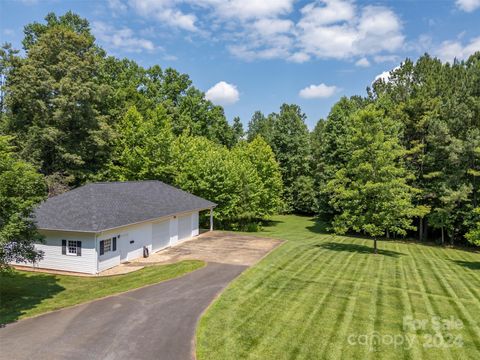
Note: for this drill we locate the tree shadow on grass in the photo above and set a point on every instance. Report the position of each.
(21, 291)
(356, 248)
(319, 226)
(473, 265)
(268, 223)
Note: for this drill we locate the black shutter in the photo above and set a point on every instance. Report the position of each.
(114, 244)
(79, 248)
(101, 248)
(64, 247)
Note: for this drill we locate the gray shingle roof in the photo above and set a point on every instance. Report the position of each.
(100, 206)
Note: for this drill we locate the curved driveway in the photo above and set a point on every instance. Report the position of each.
(155, 322)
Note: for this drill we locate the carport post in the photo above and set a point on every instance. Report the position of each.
(211, 219)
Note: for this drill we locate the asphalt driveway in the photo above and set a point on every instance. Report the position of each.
(155, 322)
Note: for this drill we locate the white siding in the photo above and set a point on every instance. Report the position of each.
(53, 258)
(131, 241)
(195, 231)
(173, 231)
(184, 227)
(160, 235)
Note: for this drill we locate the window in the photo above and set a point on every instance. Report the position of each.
(107, 245)
(72, 247)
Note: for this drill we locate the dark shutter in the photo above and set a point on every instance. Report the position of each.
(114, 244)
(101, 247)
(64, 247)
(79, 248)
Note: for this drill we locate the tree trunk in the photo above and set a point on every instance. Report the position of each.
(443, 236)
(420, 231)
(388, 234)
(425, 230)
(375, 250)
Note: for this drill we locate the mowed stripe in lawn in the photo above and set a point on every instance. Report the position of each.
(305, 299)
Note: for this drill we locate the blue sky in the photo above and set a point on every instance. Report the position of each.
(252, 55)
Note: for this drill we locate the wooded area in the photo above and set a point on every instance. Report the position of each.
(401, 161)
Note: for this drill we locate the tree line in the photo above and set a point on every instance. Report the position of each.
(404, 160)
(418, 146)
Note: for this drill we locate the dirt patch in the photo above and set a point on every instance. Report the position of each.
(216, 246)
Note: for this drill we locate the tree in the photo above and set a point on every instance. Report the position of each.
(438, 107)
(200, 117)
(21, 188)
(237, 128)
(69, 20)
(142, 147)
(259, 125)
(244, 181)
(304, 197)
(212, 171)
(473, 236)
(8, 59)
(261, 156)
(330, 150)
(55, 102)
(443, 216)
(290, 141)
(371, 192)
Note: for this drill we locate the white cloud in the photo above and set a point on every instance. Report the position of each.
(385, 76)
(246, 53)
(223, 93)
(247, 9)
(165, 11)
(338, 29)
(272, 26)
(385, 58)
(117, 5)
(468, 5)
(450, 50)
(317, 91)
(170, 58)
(363, 62)
(123, 38)
(331, 12)
(269, 29)
(299, 57)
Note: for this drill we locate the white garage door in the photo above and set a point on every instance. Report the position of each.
(160, 235)
(184, 227)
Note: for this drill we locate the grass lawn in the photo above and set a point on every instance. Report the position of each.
(320, 296)
(24, 294)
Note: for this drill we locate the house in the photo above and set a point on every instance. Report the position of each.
(100, 225)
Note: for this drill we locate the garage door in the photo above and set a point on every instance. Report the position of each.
(160, 235)
(184, 227)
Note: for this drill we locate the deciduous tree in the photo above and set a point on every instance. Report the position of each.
(371, 192)
(21, 188)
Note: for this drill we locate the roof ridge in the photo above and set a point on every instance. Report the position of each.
(122, 182)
